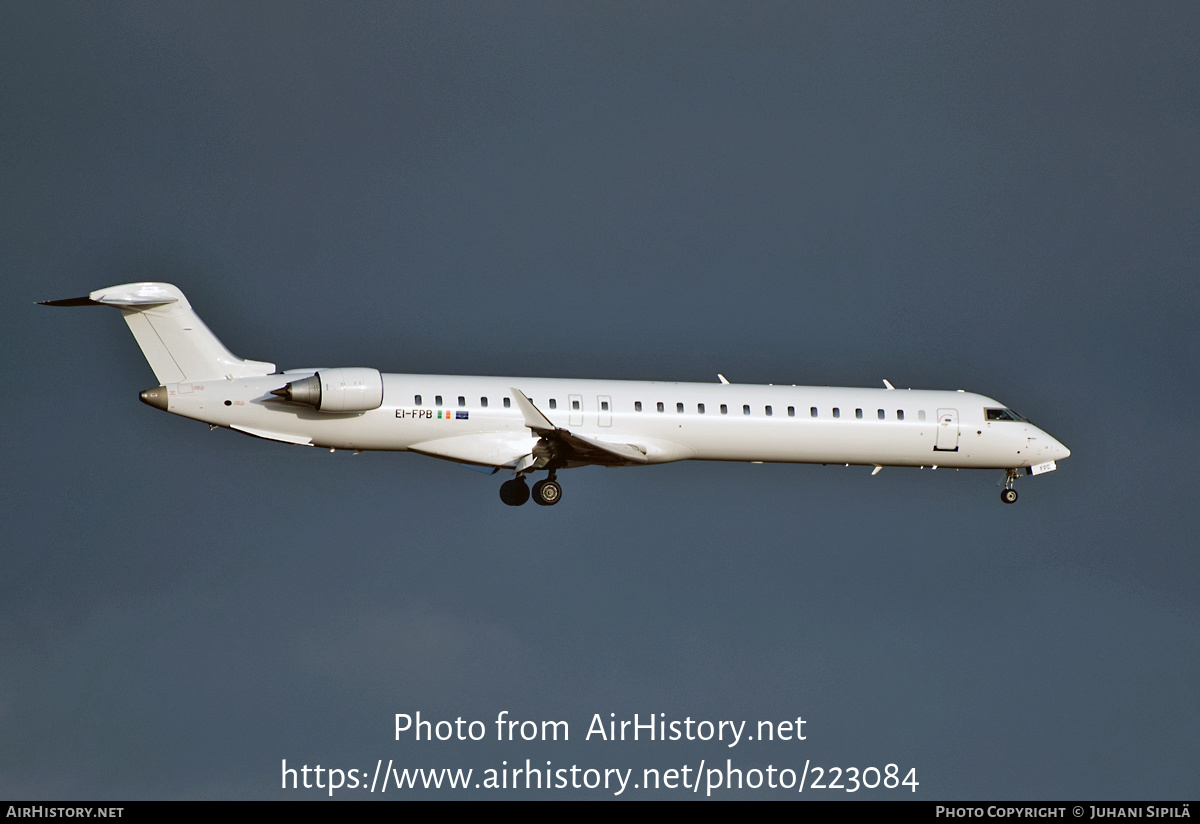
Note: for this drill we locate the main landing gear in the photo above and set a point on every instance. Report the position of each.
(546, 492)
(514, 492)
(1008, 494)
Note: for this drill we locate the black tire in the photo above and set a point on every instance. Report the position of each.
(1009, 496)
(514, 492)
(547, 492)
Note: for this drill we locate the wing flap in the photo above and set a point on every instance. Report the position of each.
(628, 452)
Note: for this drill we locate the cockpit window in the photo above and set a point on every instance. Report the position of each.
(1002, 415)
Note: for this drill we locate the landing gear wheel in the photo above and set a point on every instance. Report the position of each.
(547, 492)
(514, 492)
(1009, 496)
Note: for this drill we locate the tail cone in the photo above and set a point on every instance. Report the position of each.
(156, 397)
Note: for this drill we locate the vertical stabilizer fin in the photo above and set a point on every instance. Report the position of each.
(176, 343)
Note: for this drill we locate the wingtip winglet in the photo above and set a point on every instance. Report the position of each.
(534, 418)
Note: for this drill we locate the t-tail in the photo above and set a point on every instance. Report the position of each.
(176, 343)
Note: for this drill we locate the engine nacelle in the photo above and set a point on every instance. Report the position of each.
(348, 389)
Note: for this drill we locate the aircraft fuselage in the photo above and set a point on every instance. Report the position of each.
(676, 421)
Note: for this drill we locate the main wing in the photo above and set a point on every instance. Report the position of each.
(573, 447)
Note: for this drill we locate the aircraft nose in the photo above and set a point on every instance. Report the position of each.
(1059, 451)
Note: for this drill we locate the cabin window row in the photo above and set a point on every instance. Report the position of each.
(769, 411)
(418, 400)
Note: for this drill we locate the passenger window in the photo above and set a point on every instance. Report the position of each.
(791, 411)
(921, 415)
(679, 407)
(768, 410)
(553, 404)
(858, 414)
(899, 414)
(483, 402)
(700, 408)
(881, 415)
(574, 404)
(637, 406)
(438, 400)
(462, 401)
(604, 405)
(813, 412)
(661, 408)
(837, 413)
(746, 409)
(417, 400)
(507, 403)
(724, 409)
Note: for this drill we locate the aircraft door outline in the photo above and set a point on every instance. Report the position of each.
(947, 431)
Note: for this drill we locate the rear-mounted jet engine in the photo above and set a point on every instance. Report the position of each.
(349, 389)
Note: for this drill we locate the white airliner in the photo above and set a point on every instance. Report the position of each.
(530, 424)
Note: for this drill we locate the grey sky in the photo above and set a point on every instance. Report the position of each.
(1002, 198)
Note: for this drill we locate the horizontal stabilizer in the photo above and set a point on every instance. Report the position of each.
(127, 294)
(83, 301)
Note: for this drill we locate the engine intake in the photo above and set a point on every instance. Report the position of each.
(349, 389)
